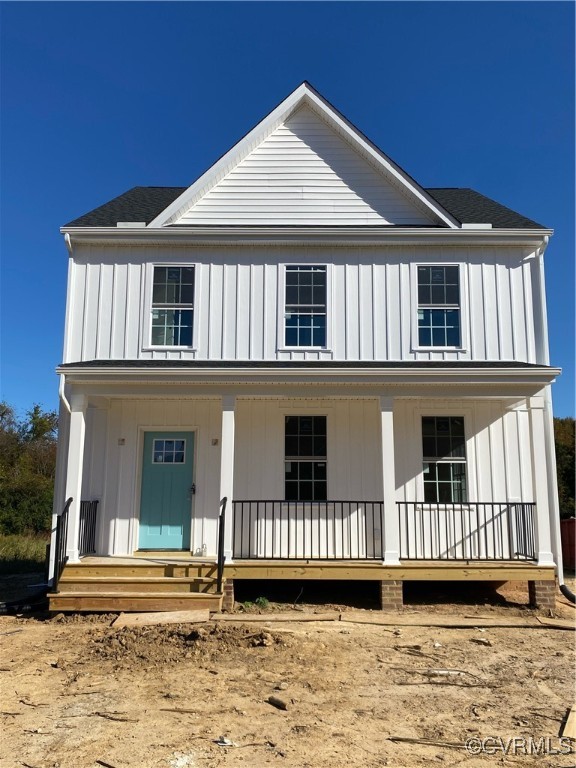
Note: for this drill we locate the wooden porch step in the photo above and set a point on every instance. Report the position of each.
(141, 569)
(133, 601)
(136, 584)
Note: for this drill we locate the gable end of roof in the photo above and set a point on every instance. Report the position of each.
(143, 204)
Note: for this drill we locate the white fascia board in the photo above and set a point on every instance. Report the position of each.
(242, 376)
(305, 235)
(302, 95)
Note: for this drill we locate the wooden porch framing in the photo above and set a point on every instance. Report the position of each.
(177, 581)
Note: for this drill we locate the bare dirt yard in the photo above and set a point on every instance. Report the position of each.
(78, 693)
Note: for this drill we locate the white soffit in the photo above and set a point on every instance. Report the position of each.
(344, 179)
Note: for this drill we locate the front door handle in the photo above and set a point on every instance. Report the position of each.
(193, 489)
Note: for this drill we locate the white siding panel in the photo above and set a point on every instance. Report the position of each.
(498, 455)
(118, 509)
(353, 447)
(503, 313)
(230, 299)
(372, 306)
(476, 305)
(104, 322)
(365, 312)
(216, 311)
(490, 311)
(352, 348)
(519, 335)
(393, 303)
(244, 322)
(528, 313)
(304, 172)
(134, 297)
(497, 469)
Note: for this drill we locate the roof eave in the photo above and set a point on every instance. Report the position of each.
(536, 375)
(333, 235)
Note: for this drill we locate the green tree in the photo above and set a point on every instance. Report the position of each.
(27, 467)
(564, 438)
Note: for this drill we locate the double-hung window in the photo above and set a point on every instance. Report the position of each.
(439, 306)
(305, 458)
(173, 306)
(305, 306)
(444, 453)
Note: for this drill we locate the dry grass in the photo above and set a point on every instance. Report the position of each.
(21, 554)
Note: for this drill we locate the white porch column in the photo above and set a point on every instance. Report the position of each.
(74, 467)
(227, 468)
(540, 479)
(391, 524)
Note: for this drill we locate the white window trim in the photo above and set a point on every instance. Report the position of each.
(147, 319)
(415, 345)
(280, 341)
(461, 411)
(298, 411)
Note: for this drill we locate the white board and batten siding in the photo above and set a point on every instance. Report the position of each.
(113, 466)
(238, 313)
(305, 172)
(498, 455)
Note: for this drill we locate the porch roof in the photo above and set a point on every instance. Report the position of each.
(320, 378)
(312, 364)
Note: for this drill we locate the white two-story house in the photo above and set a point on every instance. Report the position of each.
(304, 365)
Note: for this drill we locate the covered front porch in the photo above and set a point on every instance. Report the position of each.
(364, 490)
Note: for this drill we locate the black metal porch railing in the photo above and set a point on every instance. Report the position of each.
(467, 531)
(308, 530)
(87, 529)
(221, 557)
(61, 538)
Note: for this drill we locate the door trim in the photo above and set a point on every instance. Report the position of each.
(142, 429)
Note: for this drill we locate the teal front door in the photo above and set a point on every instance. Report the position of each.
(166, 498)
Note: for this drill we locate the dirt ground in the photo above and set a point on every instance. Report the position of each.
(77, 693)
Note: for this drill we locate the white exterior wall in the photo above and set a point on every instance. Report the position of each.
(304, 172)
(239, 308)
(112, 471)
(498, 455)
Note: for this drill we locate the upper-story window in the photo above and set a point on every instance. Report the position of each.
(439, 306)
(305, 307)
(173, 306)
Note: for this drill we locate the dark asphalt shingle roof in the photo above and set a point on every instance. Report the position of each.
(472, 207)
(303, 364)
(138, 204)
(143, 204)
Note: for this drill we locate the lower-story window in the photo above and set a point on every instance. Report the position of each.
(305, 458)
(444, 454)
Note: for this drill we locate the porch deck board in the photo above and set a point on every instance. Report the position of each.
(369, 571)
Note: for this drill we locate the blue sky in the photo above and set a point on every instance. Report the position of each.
(99, 97)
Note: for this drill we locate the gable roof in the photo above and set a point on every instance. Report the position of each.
(306, 96)
(144, 204)
(305, 172)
